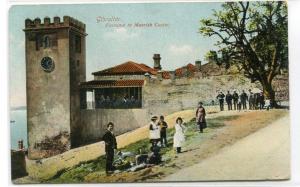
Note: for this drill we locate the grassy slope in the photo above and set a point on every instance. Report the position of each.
(93, 171)
(77, 173)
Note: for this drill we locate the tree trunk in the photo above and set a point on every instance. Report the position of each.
(269, 93)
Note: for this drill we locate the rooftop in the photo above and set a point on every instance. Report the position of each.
(112, 83)
(127, 68)
(189, 67)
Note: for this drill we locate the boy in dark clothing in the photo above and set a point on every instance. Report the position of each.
(110, 146)
(154, 157)
(163, 131)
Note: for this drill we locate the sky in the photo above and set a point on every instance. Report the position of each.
(178, 41)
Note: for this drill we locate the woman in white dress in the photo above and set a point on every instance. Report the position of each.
(154, 131)
(179, 134)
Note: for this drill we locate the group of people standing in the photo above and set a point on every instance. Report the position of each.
(239, 101)
(158, 131)
(157, 135)
(159, 128)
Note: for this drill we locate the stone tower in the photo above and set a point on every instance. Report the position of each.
(55, 65)
(157, 58)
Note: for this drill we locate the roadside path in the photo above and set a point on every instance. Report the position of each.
(262, 155)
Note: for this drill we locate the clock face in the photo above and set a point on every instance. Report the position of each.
(47, 64)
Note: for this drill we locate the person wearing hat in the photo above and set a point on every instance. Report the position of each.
(200, 117)
(154, 131)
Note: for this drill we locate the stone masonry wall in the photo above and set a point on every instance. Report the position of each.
(180, 94)
(93, 122)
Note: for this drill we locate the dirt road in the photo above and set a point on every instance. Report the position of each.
(262, 155)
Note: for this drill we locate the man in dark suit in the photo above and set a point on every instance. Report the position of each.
(220, 97)
(228, 99)
(244, 98)
(261, 100)
(110, 146)
(235, 97)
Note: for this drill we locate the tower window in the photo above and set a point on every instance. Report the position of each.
(46, 42)
(78, 44)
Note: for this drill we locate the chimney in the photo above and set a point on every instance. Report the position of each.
(185, 72)
(159, 75)
(198, 65)
(172, 75)
(156, 58)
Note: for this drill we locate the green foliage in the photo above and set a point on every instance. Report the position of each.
(253, 35)
(77, 173)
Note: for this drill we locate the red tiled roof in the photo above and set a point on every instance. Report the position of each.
(151, 70)
(190, 68)
(166, 75)
(127, 68)
(112, 83)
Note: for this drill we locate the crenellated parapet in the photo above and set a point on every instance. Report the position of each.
(57, 23)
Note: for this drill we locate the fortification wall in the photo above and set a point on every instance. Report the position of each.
(165, 97)
(162, 98)
(93, 122)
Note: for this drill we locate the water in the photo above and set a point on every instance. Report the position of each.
(18, 129)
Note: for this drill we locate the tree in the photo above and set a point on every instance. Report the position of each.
(253, 36)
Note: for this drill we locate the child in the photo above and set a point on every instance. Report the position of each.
(154, 157)
(163, 131)
(179, 134)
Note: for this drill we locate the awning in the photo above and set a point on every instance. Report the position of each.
(112, 83)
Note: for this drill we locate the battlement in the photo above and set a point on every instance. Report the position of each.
(47, 24)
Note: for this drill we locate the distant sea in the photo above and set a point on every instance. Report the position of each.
(18, 127)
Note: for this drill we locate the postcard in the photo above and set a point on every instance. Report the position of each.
(149, 92)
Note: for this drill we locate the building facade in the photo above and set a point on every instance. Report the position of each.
(55, 66)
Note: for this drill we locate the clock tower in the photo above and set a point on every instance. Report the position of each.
(55, 66)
